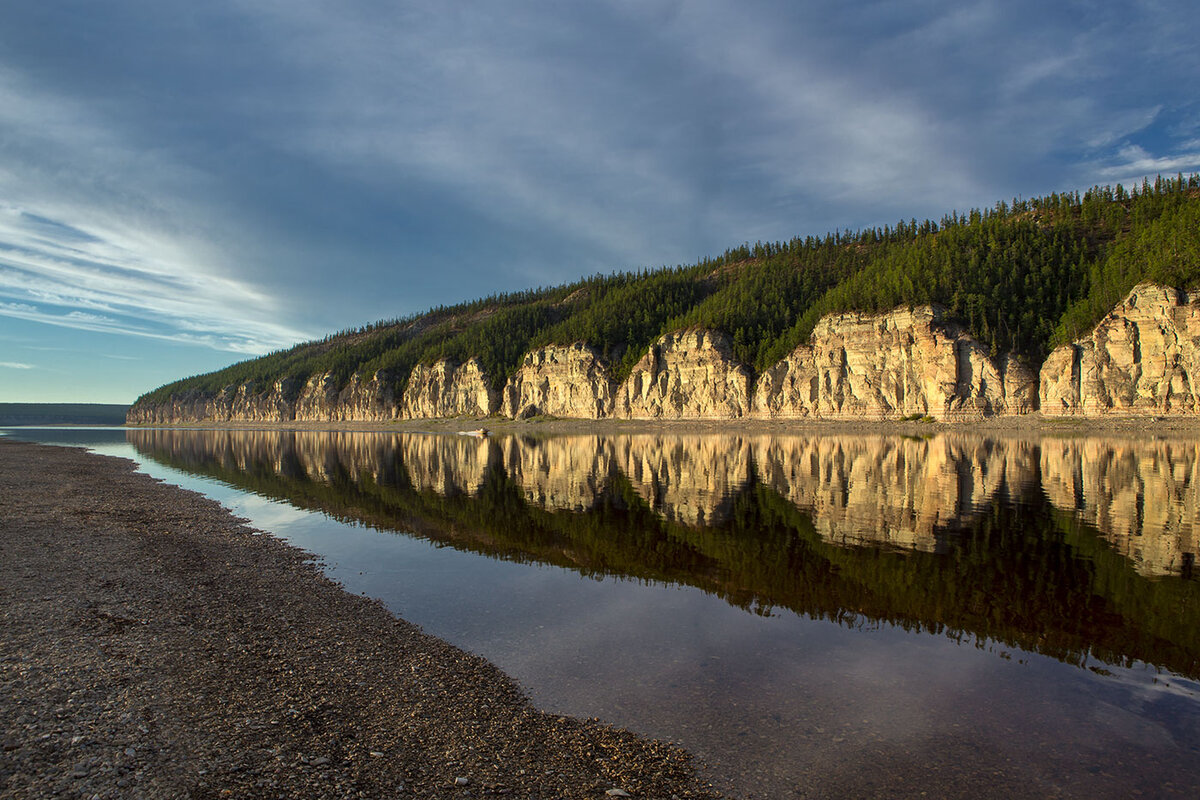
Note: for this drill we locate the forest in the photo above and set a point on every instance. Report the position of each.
(1022, 276)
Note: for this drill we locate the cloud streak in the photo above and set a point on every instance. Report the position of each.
(259, 173)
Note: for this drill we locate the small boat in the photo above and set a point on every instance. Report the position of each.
(480, 433)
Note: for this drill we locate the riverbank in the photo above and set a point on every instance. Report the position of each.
(1032, 425)
(151, 645)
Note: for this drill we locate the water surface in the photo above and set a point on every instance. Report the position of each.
(812, 615)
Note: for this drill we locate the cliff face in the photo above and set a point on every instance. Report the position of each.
(447, 389)
(686, 375)
(376, 399)
(249, 402)
(560, 381)
(1141, 359)
(902, 363)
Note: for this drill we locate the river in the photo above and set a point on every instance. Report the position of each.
(850, 615)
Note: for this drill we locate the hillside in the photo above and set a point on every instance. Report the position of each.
(1021, 278)
(62, 414)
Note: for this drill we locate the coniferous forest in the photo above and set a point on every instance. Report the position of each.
(1023, 276)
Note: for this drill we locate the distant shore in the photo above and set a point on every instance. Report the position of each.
(152, 645)
(1034, 424)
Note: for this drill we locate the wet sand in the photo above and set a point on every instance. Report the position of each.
(151, 645)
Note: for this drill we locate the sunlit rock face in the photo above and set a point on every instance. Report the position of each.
(325, 399)
(179, 410)
(566, 473)
(319, 398)
(1141, 359)
(902, 363)
(687, 479)
(374, 399)
(689, 374)
(560, 381)
(247, 402)
(1142, 496)
(893, 491)
(448, 389)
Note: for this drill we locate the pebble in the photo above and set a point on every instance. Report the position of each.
(206, 582)
(618, 793)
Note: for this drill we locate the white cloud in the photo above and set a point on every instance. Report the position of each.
(1135, 163)
(98, 236)
(15, 365)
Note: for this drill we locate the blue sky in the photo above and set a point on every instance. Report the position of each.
(183, 185)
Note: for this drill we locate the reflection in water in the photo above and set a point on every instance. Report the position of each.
(1077, 549)
(1141, 496)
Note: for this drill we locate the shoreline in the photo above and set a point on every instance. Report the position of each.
(154, 645)
(1033, 424)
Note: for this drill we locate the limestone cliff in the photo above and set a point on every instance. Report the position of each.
(1142, 358)
(248, 402)
(448, 389)
(376, 399)
(902, 363)
(560, 381)
(689, 374)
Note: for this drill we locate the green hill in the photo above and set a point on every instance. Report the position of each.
(1022, 276)
(62, 414)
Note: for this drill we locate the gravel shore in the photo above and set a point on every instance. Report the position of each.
(153, 646)
(1033, 425)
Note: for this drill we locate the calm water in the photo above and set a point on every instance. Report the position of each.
(813, 616)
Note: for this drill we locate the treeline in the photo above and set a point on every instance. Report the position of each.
(1023, 277)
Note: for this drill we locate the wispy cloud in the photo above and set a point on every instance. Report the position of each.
(58, 272)
(339, 163)
(15, 365)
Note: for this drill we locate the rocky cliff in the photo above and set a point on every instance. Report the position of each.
(449, 389)
(560, 381)
(249, 402)
(903, 363)
(690, 374)
(1142, 358)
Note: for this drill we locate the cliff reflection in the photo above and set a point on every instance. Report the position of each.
(1048, 546)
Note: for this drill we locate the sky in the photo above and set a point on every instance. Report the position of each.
(186, 185)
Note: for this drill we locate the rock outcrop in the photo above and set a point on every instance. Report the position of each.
(376, 399)
(689, 374)
(1143, 358)
(448, 389)
(560, 381)
(247, 402)
(903, 363)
